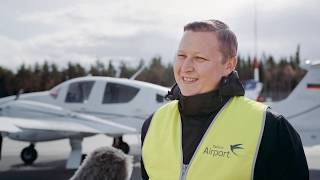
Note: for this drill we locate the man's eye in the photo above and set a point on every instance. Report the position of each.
(200, 58)
(181, 56)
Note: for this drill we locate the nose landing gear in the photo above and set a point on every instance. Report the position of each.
(120, 144)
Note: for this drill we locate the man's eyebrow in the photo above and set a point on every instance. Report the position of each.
(200, 55)
(193, 53)
(180, 51)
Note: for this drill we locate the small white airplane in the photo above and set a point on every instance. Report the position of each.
(79, 108)
(253, 87)
(302, 106)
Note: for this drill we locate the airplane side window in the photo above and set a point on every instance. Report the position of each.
(159, 98)
(118, 93)
(79, 92)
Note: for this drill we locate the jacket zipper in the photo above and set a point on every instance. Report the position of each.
(184, 171)
(184, 167)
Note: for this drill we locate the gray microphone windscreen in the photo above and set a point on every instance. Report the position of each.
(105, 163)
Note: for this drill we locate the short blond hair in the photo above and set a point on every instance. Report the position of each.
(227, 39)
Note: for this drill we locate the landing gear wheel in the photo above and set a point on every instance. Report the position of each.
(83, 157)
(29, 154)
(120, 144)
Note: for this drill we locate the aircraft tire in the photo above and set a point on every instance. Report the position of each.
(29, 155)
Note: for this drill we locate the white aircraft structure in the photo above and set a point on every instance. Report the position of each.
(79, 108)
(252, 88)
(302, 107)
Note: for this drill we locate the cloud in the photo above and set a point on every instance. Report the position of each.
(86, 30)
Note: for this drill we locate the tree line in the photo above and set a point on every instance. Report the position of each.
(279, 76)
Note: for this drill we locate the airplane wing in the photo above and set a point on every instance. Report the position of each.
(7, 126)
(19, 115)
(13, 124)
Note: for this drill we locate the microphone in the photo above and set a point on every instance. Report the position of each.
(105, 163)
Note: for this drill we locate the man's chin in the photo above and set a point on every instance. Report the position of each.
(189, 92)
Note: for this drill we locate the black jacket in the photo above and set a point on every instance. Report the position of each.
(281, 155)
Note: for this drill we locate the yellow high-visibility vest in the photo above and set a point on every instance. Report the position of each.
(227, 151)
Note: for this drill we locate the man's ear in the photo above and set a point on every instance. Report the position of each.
(230, 65)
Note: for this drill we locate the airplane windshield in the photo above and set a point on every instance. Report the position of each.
(79, 92)
(54, 93)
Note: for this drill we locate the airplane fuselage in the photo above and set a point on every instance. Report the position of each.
(122, 101)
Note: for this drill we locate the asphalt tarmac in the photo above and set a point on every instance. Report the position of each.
(53, 169)
(50, 164)
(48, 168)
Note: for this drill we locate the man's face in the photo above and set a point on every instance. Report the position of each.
(198, 67)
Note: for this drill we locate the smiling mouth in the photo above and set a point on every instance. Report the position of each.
(189, 80)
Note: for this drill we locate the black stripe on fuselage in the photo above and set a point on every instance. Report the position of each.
(313, 86)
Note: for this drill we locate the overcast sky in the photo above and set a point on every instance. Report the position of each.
(83, 31)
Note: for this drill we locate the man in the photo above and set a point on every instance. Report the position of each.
(211, 131)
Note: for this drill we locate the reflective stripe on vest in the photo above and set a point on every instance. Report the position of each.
(227, 151)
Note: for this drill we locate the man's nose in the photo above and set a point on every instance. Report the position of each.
(187, 65)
